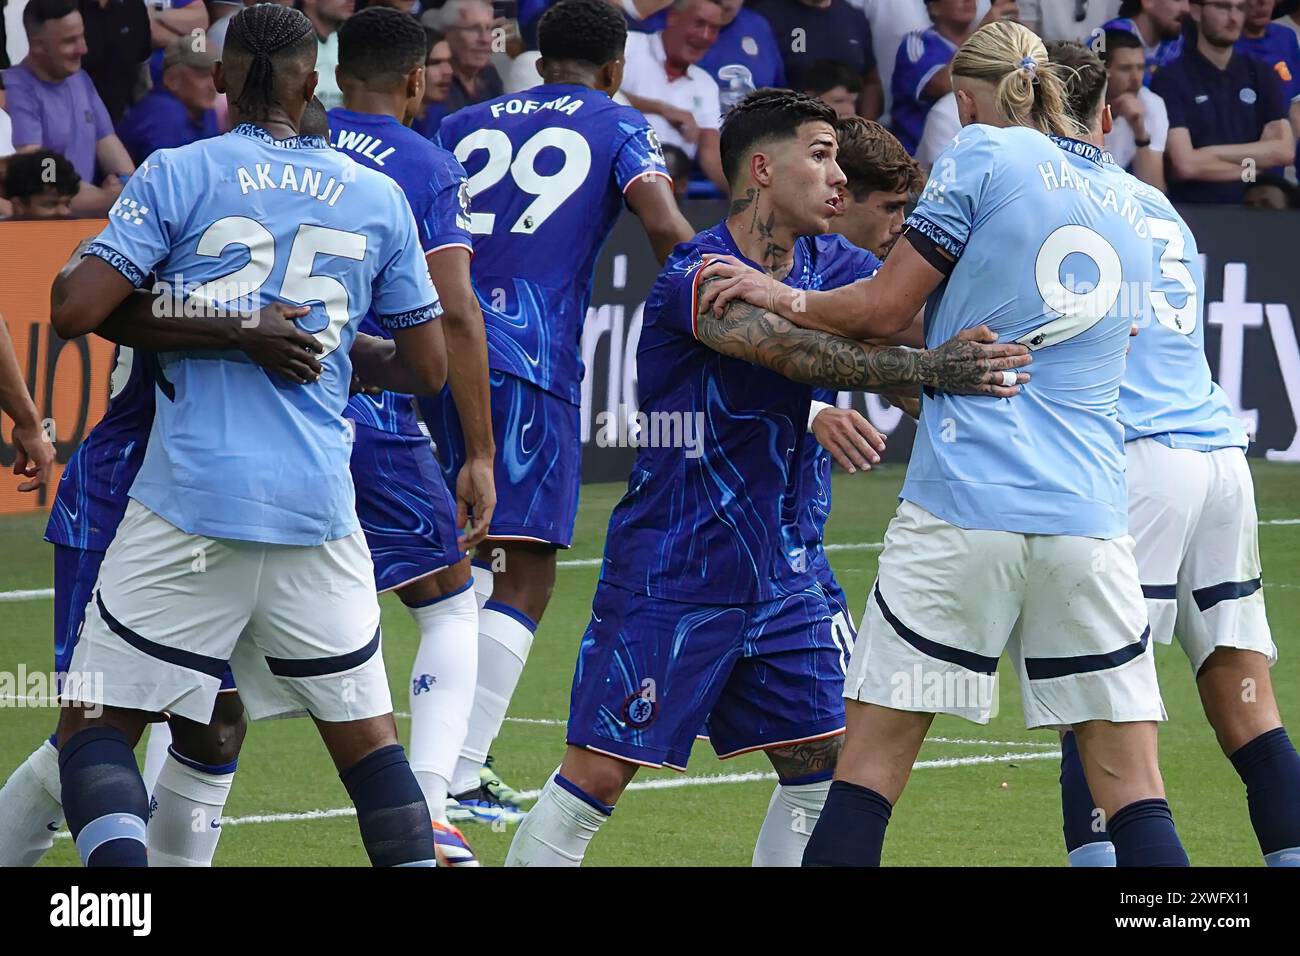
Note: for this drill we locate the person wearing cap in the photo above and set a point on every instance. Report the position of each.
(178, 112)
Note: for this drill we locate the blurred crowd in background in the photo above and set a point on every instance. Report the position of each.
(1204, 94)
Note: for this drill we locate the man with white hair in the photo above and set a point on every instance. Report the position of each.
(468, 26)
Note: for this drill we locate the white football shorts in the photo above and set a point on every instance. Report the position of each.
(948, 601)
(1192, 514)
(299, 625)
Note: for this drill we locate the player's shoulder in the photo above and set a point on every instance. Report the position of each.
(427, 158)
(687, 257)
(1151, 199)
(834, 249)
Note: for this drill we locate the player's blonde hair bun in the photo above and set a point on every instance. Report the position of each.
(1030, 88)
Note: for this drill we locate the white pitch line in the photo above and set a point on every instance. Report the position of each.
(37, 594)
(668, 783)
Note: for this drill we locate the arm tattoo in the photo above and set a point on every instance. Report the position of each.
(818, 358)
(806, 759)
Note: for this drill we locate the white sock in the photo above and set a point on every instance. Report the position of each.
(30, 808)
(557, 829)
(789, 823)
(503, 644)
(441, 693)
(155, 753)
(483, 583)
(185, 814)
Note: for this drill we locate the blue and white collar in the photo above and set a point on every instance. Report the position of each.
(301, 141)
(1093, 154)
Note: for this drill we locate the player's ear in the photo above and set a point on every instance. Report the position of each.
(219, 76)
(309, 86)
(1107, 120)
(613, 81)
(415, 84)
(760, 169)
(540, 66)
(967, 113)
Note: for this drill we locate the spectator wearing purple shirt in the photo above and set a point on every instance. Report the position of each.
(178, 112)
(744, 57)
(1227, 113)
(810, 30)
(53, 104)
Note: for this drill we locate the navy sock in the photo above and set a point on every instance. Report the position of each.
(1085, 845)
(851, 829)
(391, 811)
(104, 799)
(1143, 834)
(1270, 769)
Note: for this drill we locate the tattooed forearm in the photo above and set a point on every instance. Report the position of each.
(818, 358)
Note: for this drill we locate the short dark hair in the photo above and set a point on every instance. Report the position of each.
(381, 43)
(591, 31)
(873, 160)
(1130, 8)
(763, 115)
(1084, 75)
(31, 174)
(432, 37)
(37, 13)
(824, 75)
(267, 34)
(1113, 40)
(1288, 188)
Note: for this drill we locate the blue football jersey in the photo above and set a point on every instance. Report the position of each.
(434, 185)
(721, 519)
(1167, 393)
(235, 223)
(548, 168)
(745, 57)
(1052, 250)
(920, 56)
(1280, 49)
(92, 493)
(816, 459)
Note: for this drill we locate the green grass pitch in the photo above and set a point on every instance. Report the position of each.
(988, 796)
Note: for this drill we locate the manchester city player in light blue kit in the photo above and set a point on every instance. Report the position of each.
(241, 543)
(709, 606)
(1191, 505)
(1013, 524)
(550, 171)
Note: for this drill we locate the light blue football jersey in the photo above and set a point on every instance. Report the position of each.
(1167, 393)
(240, 221)
(1053, 250)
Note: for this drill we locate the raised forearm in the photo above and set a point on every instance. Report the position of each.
(814, 357)
(380, 363)
(1264, 152)
(139, 323)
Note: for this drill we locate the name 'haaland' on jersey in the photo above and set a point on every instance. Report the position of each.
(1058, 174)
(304, 179)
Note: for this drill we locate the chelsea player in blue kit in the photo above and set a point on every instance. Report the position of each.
(708, 607)
(410, 518)
(550, 170)
(241, 543)
(1191, 505)
(1009, 508)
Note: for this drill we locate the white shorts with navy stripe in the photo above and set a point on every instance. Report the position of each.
(298, 625)
(1193, 516)
(948, 601)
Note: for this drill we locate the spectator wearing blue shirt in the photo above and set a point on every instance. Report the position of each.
(1159, 24)
(178, 112)
(1227, 112)
(920, 75)
(807, 31)
(744, 57)
(1277, 46)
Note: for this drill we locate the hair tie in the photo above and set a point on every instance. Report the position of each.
(1030, 64)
